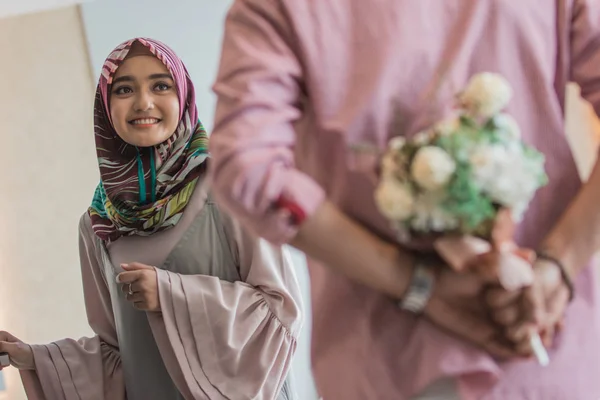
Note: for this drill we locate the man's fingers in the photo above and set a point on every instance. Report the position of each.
(507, 316)
(553, 321)
(533, 306)
(524, 348)
(521, 332)
(469, 325)
(502, 349)
(501, 298)
(485, 267)
(547, 336)
(557, 305)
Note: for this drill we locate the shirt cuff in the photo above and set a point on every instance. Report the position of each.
(298, 201)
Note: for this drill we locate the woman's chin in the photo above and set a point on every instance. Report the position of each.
(145, 141)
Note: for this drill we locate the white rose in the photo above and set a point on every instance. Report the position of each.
(397, 143)
(487, 162)
(506, 124)
(505, 174)
(432, 167)
(394, 200)
(486, 94)
(422, 138)
(448, 126)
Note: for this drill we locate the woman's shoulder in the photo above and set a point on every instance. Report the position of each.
(85, 224)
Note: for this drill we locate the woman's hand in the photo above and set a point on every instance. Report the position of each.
(140, 286)
(20, 353)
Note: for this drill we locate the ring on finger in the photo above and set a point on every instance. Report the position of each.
(129, 290)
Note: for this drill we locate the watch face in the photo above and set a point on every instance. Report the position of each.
(422, 285)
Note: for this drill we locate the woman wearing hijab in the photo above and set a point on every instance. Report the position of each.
(184, 303)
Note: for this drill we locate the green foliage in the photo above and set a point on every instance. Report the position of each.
(466, 201)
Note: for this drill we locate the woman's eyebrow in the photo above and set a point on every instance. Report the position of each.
(160, 76)
(124, 78)
(128, 78)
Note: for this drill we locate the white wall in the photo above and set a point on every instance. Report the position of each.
(11, 8)
(48, 172)
(193, 28)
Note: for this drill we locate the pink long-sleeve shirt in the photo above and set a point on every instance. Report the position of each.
(304, 83)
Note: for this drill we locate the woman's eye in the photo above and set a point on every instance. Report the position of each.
(161, 87)
(122, 90)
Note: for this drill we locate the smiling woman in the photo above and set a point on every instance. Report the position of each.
(144, 106)
(175, 290)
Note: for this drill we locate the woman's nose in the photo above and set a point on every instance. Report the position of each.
(144, 102)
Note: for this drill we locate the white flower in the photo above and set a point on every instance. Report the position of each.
(486, 94)
(394, 200)
(506, 175)
(448, 126)
(430, 216)
(432, 167)
(506, 124)
(397, 143)
(422, 138)
(487, 162)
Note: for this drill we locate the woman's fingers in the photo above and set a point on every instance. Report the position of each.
(130, 276)
(135, 297)
(133, 287)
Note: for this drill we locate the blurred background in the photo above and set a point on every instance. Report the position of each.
(52, 51)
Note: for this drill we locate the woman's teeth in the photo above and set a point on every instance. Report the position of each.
(146, 121)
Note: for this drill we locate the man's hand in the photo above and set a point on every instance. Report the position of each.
(457, 306)
(539, 308)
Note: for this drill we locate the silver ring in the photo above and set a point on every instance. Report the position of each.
(129, 290)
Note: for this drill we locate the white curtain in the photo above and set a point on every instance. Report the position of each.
(10, 8)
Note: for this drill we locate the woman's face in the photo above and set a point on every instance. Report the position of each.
(144, 105)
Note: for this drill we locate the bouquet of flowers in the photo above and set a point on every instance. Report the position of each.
(457, 175)
(463, 183)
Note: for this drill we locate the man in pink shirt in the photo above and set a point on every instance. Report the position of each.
(303, 84)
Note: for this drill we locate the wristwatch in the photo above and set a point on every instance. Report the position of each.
(420, 289)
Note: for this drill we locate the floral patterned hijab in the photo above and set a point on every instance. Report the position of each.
(133, 196)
